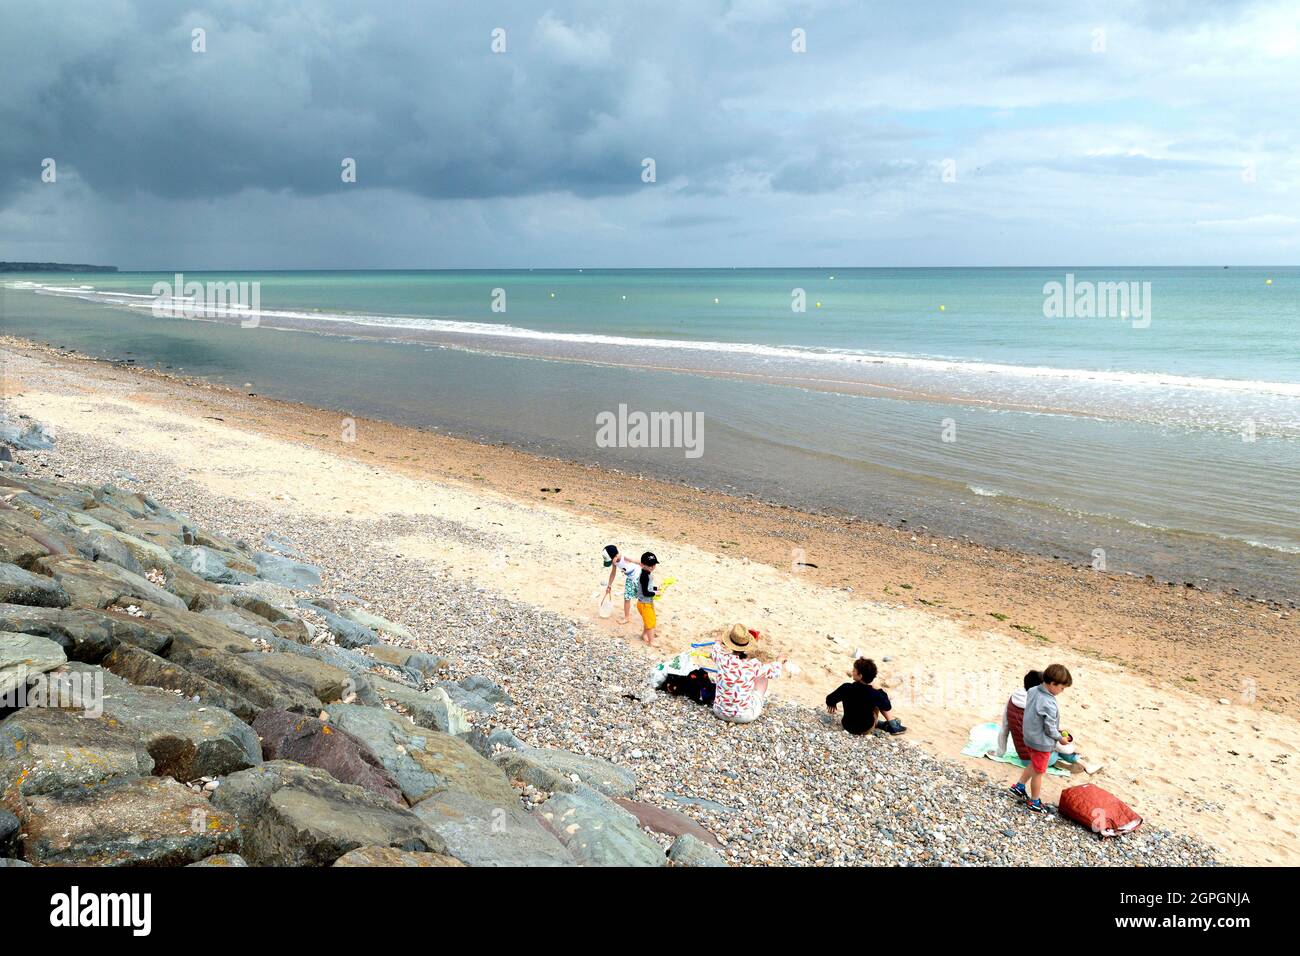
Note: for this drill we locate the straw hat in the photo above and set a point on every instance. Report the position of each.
(738, 638)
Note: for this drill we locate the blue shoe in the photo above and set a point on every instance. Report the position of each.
(1019, 791)
(1036, 806)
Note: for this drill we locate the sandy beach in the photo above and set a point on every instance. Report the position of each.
(1187, 697)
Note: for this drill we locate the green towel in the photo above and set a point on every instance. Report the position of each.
(984, 741)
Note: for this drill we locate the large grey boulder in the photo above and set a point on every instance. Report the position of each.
(25, 434)
(241, 622)
(422, 761)
(433, 709)
(212, 565)
(387, 856)
(23, 587)
(559, 770)
(376, 623)
(598, 832)
(100, 584)
(346, 633)
(148, 821)
(185, 739)
(23, 656)
(139, 667)
(292, 815)
(45, 750)
(85, 635)
(286, 571)
(689, 850)
(485, 833)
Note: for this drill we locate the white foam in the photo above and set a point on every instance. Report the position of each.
(842, 357)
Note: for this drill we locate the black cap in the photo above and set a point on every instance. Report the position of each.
(649, 558)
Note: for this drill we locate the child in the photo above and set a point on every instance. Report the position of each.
(1013, 722)
(740, 680)
(862, 702)
(616, 562)
(1042, 731)
(646, 590)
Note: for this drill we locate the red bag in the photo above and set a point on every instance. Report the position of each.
(1103, 813)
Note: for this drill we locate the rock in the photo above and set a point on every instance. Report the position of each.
(277, 545)
(241, 622)
(484, 833)
(346, 633)
(397, 656)
(198, 594)
(19, 542)
(468, 699)
(146, 553)
(422, 761)
(213, 565)
(553, 770)
(322, 681)
(286, 571)
(293, 815)
(597, 831)
(22, 657)
(99, 584)
(191, 632)
(222, 859)
(689, 851)
(45, 750)
(313, 743)
(712, 805)
(25, 434)
(355, 665)
(148, 821)
(388, 856)
(140, 667)
(261, 686)
(9, 831)
(376, 623)
(23, 587)
(430, 709)
(185, 739)
(486, 689)
(668, 822)
(85, 635)
(6, 862)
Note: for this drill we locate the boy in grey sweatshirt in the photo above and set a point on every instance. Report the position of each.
(1042, 731)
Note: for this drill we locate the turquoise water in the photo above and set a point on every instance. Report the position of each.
(1071, 434)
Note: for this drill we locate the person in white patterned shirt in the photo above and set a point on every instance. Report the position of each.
(741, 681)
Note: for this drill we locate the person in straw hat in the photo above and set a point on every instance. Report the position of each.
(741, 679)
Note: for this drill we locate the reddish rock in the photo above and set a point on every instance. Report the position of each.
(312, 742)
(668, 822)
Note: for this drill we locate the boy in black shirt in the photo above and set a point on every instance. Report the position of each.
(862, 702)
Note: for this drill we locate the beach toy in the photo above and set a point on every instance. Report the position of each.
(664, 587)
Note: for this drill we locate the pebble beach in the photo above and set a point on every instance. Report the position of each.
(789, 789)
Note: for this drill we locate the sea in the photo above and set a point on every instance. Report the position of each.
(1136, 420)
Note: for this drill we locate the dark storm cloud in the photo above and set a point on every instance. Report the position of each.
(466, 157)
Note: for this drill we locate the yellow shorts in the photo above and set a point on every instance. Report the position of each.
(647, 612)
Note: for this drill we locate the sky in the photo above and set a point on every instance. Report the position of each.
(901, 134)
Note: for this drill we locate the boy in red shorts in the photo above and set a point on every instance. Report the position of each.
(1042, 731)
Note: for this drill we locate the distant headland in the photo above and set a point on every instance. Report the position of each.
(52, 267)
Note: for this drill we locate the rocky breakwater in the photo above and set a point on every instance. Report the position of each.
(169, 696)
